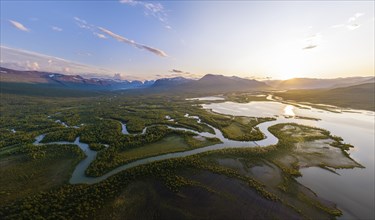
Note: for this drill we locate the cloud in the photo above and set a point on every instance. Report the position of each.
(153, 9)
(309, 47)
(353, 26)
(312, 41)
(176, 71)
(56, 29)
(133, 43)
(352, 22)
(179, 71)
(102, 36)
(355, 17)
(83, 24)
(19, 26)
(26, 60)
(186, 75)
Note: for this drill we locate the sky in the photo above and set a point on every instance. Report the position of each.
(150, 39)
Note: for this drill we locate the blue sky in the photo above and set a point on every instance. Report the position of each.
(145, 40)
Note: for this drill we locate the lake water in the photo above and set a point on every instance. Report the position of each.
(353, 189)
(207, 98)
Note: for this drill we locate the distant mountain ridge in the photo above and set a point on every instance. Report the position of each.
(170, 82)
(360, 96)
(209, 83)
(314, 83)
(71, 81)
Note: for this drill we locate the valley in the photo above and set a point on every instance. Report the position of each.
(165, 148)
(187, 110)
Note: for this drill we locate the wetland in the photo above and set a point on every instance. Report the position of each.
(129, 153)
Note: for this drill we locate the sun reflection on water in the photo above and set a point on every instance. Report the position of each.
(288, 110)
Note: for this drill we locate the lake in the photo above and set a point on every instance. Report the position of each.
(353, 189)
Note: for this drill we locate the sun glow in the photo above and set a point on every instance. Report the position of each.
(288, 111)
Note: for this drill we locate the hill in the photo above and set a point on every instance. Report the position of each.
(313, 83)
(356, 97)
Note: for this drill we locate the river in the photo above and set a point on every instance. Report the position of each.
(352, 190)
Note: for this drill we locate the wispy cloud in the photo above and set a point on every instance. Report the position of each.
(105, 32)
(187, 75)
(178, 71)
(309, 47)
(19, 26)
(353, 26)
(133, 43)
(54, 28)
(102, 36)
(26, 60)
(352, 22)
(355, 17)
(82, 23)
(153, 9)
(312, 41)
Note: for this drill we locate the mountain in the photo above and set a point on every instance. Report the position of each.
(312, 83)
(170, 82)
(208, 84)
(70, 81)
(211, 83)
(357, 97)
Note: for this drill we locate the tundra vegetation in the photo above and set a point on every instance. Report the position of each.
(35, 178)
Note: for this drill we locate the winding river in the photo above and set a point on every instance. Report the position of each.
(79, 176)
(352, 190)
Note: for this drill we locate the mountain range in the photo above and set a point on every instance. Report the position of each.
(69, 81)
(313, 83)
(209, 83)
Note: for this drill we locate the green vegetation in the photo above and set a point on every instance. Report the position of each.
(179, 175)
(35, 178)
(243, 128)
(173, 141)
(45, 90)
(36, 169)
(246, 97)
(239, 128)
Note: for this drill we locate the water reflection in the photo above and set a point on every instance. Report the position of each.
(353, 189)
(288, 111)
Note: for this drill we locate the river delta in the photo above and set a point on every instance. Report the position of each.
(299, 161)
